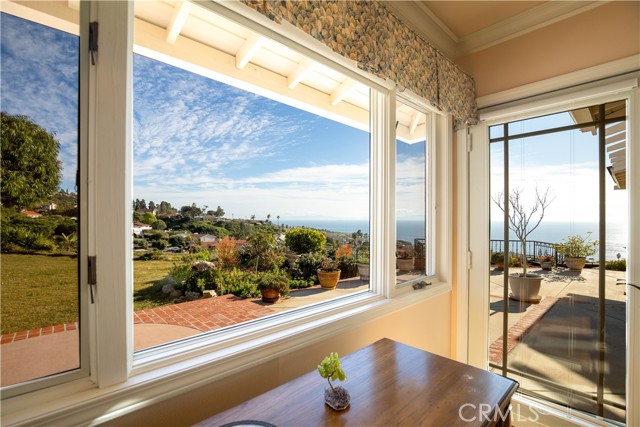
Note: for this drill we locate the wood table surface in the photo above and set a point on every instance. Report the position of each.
(391, 384)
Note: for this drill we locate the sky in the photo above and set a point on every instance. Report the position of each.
(196, 140)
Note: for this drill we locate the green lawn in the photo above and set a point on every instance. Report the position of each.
(38, 290)
(41, 290)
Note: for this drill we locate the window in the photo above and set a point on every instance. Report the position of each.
(40, 202)
(163, 146)
(414, 237)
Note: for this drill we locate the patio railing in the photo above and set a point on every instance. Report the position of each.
(534, 250)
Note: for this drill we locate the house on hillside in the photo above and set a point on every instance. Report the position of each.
(139, 228)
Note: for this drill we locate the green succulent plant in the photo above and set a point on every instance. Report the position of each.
(330, 369)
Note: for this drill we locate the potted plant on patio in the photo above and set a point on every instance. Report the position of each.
(272, 285)
(338, 397)
(404, 258)
(546, 262)
(575, 250)
(329, 273)
(524, 286)
(363, 268)
(497, 259)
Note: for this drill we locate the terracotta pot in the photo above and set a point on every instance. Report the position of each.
(270, 295)
(525, 288)
(575, 263)
(363, 272)
(328, 279)
(405, 264)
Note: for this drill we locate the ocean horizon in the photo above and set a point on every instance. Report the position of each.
(551, 232)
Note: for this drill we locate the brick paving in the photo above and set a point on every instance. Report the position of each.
(520, 328)
(204, 315)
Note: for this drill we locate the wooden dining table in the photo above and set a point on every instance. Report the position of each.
(391, 384)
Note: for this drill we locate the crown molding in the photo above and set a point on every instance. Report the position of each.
(523, 23)
(425, 23)
(618, 67)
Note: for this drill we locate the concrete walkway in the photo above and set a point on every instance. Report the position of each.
(555, 342)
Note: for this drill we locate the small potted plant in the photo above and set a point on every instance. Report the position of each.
(404, 258)
(575, 250)
(338, 397)
(272, 285)
(329, 273)
(546, 262)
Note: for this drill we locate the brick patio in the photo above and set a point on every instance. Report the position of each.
(204, 315)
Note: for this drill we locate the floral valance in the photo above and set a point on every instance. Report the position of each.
(367, 32)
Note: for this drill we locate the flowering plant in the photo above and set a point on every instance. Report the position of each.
(329, 264)
(577, 246)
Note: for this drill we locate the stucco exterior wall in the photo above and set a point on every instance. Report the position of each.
(603, 34)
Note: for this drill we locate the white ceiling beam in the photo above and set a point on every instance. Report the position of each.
(414, 122)
(300, 72)
(618, 127)
(248, 50)
(178, 19)
(615, 138)
(343, 91)
(617, 146)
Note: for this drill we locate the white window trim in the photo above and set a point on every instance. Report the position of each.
(474, 234)
(125, 385)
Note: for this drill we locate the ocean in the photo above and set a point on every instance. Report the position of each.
(552, 232)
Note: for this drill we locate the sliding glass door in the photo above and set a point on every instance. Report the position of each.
(558, 251)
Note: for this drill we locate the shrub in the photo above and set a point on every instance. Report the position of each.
(344, 251)
(577, 246)
(151, 256)
(227, 252)
(263, 251)
(177, 240)
(307, 265)
(160, 244)
(305, 240)
(236, 282)
(617, 265)
(300, 283)
(140, 244)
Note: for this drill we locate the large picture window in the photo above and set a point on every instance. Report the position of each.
(241, 188)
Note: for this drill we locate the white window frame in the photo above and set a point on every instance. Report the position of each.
(473, 238)
(121, 383)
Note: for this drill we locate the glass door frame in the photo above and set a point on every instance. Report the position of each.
(473, 233)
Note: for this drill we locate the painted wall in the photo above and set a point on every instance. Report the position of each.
(425, 325)
(601, 35)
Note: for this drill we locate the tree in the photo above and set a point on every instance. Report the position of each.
(159, 225)
(31, 171)
(218, 213)
(521, 216)
(149, 218)
(191, 211)
(165, 207)
(152, 205)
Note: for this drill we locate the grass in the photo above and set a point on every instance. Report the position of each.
(148, 278)
(37, 291)
(42, 290)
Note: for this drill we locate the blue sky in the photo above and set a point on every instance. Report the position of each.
(198, 140)
(39, 79)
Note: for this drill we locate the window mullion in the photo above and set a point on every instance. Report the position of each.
(110, 136)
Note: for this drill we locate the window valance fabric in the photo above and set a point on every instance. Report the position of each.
(368, 33)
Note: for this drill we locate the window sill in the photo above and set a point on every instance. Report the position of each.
(154, 379)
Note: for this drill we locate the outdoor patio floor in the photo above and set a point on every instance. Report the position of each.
(26, 355)
(555, 341)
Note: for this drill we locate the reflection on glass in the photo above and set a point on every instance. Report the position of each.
(553, 347)
(411, 196)
(39, 84)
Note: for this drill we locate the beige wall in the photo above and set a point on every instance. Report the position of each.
(601, 35)
(425, 325)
